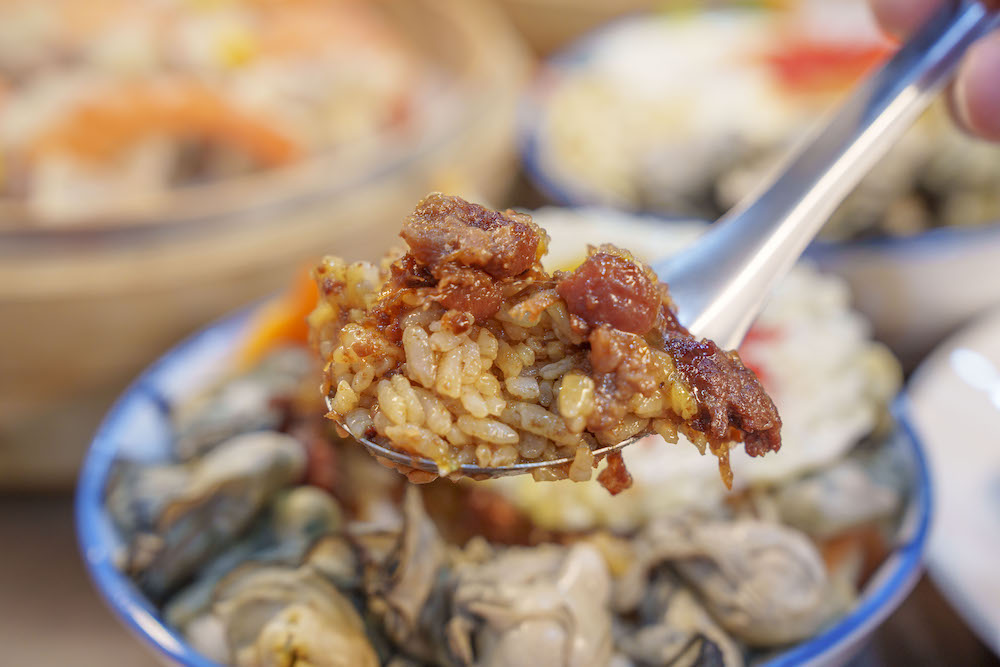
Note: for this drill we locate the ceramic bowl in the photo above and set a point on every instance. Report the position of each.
(138, 428)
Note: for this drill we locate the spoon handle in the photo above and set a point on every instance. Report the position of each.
(720, 284)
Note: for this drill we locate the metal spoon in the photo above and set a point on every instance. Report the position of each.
(720, 284)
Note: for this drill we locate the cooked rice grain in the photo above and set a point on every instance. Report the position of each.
(576, 395)
(390, 403)
(488, 430)
(508, 361)
(449, 376)
(523, 387)
(419, 359)
(583, 464)
(345, 400)
(473, 402)
(422, 442)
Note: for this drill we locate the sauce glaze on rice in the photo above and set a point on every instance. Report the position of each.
(466, 351)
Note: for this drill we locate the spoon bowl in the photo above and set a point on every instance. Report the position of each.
(474, 471)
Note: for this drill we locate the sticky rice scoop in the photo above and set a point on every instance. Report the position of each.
(464, 350)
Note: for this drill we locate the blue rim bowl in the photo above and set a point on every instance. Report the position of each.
(138, 427)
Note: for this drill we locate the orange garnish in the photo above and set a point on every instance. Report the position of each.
(805, 66)
(281, 321)
(98, 130)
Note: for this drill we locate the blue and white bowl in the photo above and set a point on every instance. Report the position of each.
(138, 428)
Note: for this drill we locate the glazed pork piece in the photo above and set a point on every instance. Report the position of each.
(464, 350)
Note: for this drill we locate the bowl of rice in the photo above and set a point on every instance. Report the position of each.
(225, 522)
(639, 115)
(133, 134)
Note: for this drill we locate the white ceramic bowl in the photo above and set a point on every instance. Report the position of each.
(138, 427)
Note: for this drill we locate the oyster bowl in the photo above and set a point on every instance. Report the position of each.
(141, 430)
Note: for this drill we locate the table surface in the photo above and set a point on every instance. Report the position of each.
(51, 615)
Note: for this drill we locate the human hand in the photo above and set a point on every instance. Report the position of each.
(975, 93)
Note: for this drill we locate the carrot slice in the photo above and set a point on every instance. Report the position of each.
(99, 129)
(281, 321)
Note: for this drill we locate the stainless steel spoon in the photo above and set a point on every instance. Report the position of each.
(721, 283)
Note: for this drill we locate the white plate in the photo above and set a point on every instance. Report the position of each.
(955, 398)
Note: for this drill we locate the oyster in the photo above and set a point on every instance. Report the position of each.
(546, 605)
(303, 513)
(400, 582)
(212, 501)
(763, 582)
(485, 606)
(252, 401)
(334, 557)
(294, 520)
(674, 629)
(276, 615)
(836, 499)
(137, 493)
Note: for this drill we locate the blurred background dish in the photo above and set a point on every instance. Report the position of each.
(111, 106)
(917, 290)
(962, 377)
(187, 441)
(609, 123)
(615, 126)
(548, 25)
(95, 285)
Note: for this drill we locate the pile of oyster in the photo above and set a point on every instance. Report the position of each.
(268, 541)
